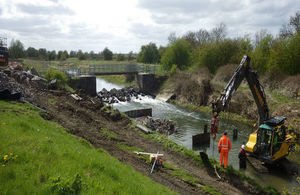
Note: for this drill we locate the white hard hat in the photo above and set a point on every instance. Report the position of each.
(243, 146)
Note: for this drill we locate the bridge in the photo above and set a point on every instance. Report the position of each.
(145, 75)
(110, 69)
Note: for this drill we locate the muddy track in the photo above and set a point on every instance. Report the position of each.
(84, 119)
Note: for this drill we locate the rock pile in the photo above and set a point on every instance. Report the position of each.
(15, 82)
(119, 95)
(163, 126)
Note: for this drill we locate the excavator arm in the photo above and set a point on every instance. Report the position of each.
(243, 71)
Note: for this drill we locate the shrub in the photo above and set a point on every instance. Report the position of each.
(148, 54)
(173, 70)
(107, 54)
(120, 57)
(261, 54)
(216, 54)
(285, 55)
(60, 76)
(178, 53)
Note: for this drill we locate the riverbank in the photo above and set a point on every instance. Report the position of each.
(40, 157)
(114, 133)
(196, 89)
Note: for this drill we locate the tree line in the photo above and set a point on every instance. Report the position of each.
(213, 49)
(201, 48)
(16, 50)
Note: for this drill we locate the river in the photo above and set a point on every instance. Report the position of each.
(191, 123)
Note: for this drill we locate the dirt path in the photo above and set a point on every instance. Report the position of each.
(85, 119)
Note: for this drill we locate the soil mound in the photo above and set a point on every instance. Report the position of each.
(192, 87)
(224, 73)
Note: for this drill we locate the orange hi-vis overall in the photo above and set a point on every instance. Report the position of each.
(224, 147)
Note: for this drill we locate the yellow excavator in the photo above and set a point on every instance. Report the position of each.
(271, 141)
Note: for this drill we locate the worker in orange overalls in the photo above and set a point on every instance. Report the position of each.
(223, 148)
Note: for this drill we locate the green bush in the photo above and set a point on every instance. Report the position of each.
(60, 76)
(148, 54)
(120, 57)
(285, 55)
(216, 54)
(173, 70)
(179, 53)
(261, 54)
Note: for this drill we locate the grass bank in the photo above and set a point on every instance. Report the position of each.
(40, 157)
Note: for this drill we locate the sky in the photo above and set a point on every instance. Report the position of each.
(126, 25)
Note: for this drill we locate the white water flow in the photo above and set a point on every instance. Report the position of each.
(191, 123)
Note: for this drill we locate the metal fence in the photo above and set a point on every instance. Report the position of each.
(110, 69)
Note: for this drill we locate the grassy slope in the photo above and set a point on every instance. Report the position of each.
(44, 152)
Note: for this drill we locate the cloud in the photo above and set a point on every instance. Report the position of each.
(44, 10)
(125, 26)
(236, 14)
(148, 32)
(190, 7)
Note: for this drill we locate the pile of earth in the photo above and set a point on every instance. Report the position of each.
(162, 126)
(16, 83)
(119, 95)
(191, 87)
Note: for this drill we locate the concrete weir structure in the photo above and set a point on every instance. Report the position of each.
(146, 82)
(88, 83)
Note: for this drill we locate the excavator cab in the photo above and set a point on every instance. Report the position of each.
(270, 142)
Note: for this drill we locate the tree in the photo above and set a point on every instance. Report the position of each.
(92, 55)
(64, 55)
(216, 54)
(59, 54)
(295, 22)
(73, 54)
(191, 38)
(52, 55)
(285, 55)
(32, 52)
(107, 54)
(148, 54)
(172, 37)
(202, 37)
(120, 57)
(43, 54)
(16, 49)
(178, 53)
(261, 54)
(130, 56)
(292, 27)
(81, 55)
(161, 51)
(218, 33)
